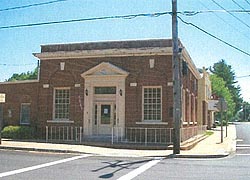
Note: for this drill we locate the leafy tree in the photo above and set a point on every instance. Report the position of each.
(245, 113)
(219, 88)
(24, 76)
(221, 69)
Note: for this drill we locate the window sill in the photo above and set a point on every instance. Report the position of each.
(152, 123)
(185, 123)
(26, 124)
(59, 121)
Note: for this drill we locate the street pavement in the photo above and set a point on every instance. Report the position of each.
(134, 165)
(208, 147)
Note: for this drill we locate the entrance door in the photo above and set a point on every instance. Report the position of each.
(104, 115)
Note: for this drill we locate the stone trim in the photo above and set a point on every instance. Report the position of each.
(104, 53)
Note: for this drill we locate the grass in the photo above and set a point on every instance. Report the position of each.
(209, 133)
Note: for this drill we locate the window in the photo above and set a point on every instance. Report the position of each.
(25, 113)
(1, 116)
(105, 90)
(61, 104)
(152, 103)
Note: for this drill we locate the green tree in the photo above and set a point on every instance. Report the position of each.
(219, 88)
(221, 69)
(24, 76)
(245, 113)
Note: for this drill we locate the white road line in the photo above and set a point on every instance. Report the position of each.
(140, 170)
(242, 154)
(243, 145)
(18, 171)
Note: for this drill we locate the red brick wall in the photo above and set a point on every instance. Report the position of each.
(139, 72)
(17, 93)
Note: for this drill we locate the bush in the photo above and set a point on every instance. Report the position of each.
(18, 132)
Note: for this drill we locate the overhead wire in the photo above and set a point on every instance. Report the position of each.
(232, 26)
(131, 16)
(247, 2)
(30, 64)
(243, 76)
(215, 37)
(31, 5)
(240, 6)
(229, 12)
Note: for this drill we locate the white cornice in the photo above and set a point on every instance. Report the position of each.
(20, 82)
(104, 53)
(191, 64)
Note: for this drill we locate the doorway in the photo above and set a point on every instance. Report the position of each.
(104, 118)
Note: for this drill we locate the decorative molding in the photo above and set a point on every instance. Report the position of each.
(45, 86)
(77, 85)
(62, 66)
(133, 84)
(151, 63)
(104, 53)
(170, 83)
(21, 82)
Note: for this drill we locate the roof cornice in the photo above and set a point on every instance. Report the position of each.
(149, 51)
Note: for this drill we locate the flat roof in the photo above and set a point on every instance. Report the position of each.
(102, 45)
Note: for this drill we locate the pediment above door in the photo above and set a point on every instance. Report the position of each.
(105, 69)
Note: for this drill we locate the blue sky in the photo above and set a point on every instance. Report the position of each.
(18, 44)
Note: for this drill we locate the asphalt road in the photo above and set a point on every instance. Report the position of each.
(28, 165)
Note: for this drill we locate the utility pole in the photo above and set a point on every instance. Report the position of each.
(221, 117)
(176, 80)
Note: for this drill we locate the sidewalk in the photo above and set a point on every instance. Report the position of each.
(208, 147)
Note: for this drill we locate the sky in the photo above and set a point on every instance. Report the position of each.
(18, 44)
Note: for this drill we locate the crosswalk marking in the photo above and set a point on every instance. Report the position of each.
(18, 171)
(140, 170)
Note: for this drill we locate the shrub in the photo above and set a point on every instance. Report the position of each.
(18, 132)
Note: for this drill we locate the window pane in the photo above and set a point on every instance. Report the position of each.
(25, 114)
(105, 90)
(105, 114)
(62, 101)
(152, 104)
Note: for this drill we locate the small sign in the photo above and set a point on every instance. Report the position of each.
(106, 111)
(2, 98)
(212, 105)
(133, 84)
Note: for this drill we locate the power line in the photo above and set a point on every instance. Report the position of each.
(243, 76)
(228, 44)
(192, 13)
(239, 6)
(247, 2)
(232, 26)
(131, 16)
(18, 64)
(31, 5)
(231, 13)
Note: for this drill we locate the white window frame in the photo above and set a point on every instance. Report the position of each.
(143, 115)
(21, 113)
(54, 105)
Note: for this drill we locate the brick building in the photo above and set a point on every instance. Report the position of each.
(122, 89)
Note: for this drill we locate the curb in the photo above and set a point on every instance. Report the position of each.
(197, 156)
(40, 150)
(189, 145)
(77, 152)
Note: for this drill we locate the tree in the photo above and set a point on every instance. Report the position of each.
(221, 69)
(245, 113)
(24, 76)
(220, 89)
